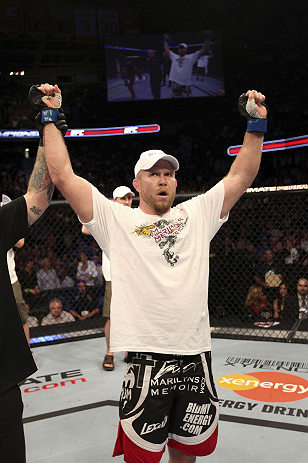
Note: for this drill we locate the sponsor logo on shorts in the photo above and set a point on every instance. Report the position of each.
(147, 428)
(266, 386)
(196, 417)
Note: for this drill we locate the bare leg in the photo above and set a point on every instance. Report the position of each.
(175, 456)
(130, 88)
(27, 332)
(107, 336)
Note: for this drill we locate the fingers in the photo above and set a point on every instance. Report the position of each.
(257, 96)
(56, 88)
(49, 91)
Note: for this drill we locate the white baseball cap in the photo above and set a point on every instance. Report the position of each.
(121, 191)
(149, 158)
(184, 45)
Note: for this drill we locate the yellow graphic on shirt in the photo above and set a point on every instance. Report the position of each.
(165, 234)
(144, 230)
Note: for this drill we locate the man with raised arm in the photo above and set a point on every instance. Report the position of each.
(16, 360)
(159, 258)
(182, 65)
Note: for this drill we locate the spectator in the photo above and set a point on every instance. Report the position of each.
(257, 302)
(304, 241)
(65, 280)
(47, 277)
(280, 303)
(27, 278)
(97, 261)
(263, 246)
(242, 271)
(83, 306)
(302, 254)
(292, 254)
(300, 301)
(57, 315)
(86, 270)
(274, 232)
(269, 275)
(252, 254)
(291, 260)
(32, 321)
(279, 253)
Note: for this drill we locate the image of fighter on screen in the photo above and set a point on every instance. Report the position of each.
(128, 72)
(182, 65)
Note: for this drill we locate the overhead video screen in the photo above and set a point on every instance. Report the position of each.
(143, 67)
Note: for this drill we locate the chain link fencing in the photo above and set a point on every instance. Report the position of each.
(258, 271)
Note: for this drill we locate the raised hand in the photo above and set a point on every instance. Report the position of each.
(256, 99)
(251, 105)
(52, 96)
(45, 96)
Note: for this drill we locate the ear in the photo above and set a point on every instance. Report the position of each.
(136, 184)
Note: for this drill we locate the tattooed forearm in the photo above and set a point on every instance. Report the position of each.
(40, 188)
(40, 179)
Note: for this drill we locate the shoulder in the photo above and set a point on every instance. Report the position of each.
(216, 192)
(194, 56)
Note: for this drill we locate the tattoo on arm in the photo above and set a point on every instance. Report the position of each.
(35, 210)
(40, 181)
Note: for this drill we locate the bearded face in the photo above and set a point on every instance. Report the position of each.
(157, 188)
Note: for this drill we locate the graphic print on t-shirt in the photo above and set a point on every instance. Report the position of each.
(165, 233)
(181, 61)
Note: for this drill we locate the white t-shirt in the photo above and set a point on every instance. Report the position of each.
(65, 317)
(106, 267)
(159, 272)
(181, 67)
(203, 61)
(89, 274)
(11, 265)
(291, 258)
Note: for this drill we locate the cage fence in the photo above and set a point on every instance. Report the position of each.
(258, 284)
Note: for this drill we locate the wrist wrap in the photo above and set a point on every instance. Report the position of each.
(257, 125)
(49, 115)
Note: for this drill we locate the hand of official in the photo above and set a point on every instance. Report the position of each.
(251, 105)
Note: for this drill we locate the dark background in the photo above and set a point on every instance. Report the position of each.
(264, 45)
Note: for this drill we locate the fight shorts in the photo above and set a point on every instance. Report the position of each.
(22, 308)
(167, 399)
(107, 300)
(180, 90)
